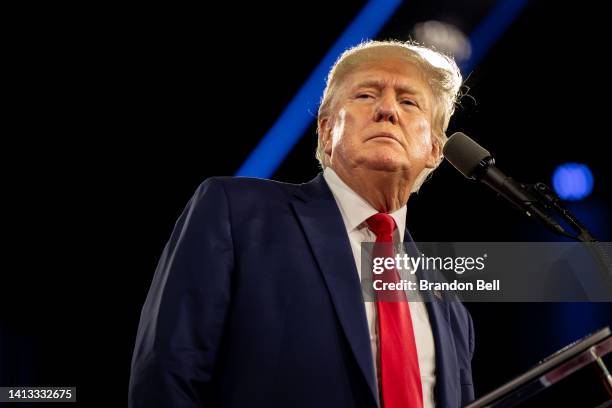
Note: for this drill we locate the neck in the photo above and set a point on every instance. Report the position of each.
(385, 191)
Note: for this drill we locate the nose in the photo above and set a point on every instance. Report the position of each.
(386, 110)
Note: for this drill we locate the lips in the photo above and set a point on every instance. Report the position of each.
(385, 135)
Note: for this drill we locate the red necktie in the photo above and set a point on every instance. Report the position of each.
(400, 377)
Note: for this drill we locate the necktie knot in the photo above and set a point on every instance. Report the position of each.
(381, 224)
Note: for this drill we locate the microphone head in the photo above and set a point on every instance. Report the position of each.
(465, 154)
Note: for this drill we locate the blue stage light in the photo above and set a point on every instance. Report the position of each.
(573, 181)
(490, 30)
(296, 118)
(298, 115)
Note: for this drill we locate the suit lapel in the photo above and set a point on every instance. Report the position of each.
(447, 373)
(325, 231)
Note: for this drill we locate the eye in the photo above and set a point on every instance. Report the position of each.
(408, 102)
(364, 96)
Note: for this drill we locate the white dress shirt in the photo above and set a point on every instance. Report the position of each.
(355, 211)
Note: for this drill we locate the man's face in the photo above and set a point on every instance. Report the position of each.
(381, 120)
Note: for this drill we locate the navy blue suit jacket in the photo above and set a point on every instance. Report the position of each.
(256, 301)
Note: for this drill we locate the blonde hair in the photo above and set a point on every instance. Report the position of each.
(440, 71)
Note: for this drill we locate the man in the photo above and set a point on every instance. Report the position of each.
(256, 300)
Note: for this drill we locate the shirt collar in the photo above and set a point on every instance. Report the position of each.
(354, 209)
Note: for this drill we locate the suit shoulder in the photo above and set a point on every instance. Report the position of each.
(249, 186)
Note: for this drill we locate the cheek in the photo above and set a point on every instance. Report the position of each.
(421, 129)
(424, 129)
(348, 126)
(342, 130)
(337, 133)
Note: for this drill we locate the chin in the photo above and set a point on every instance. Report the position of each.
(384, 163)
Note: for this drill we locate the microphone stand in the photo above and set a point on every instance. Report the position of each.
(534, 200)
(546, 198)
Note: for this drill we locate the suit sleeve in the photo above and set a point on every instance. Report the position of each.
(183, 318)
(465, 375)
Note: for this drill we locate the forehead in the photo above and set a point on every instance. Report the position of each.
(394, 72)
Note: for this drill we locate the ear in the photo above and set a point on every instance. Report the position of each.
(435, 156)
(325, 135)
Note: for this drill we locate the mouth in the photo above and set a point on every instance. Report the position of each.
(385, 135)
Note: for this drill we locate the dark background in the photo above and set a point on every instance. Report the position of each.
(115, 114)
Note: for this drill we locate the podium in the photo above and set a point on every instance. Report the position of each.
(578, 375)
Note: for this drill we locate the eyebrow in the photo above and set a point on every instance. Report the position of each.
(380, 84)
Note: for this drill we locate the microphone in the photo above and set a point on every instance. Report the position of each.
(476, 163)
